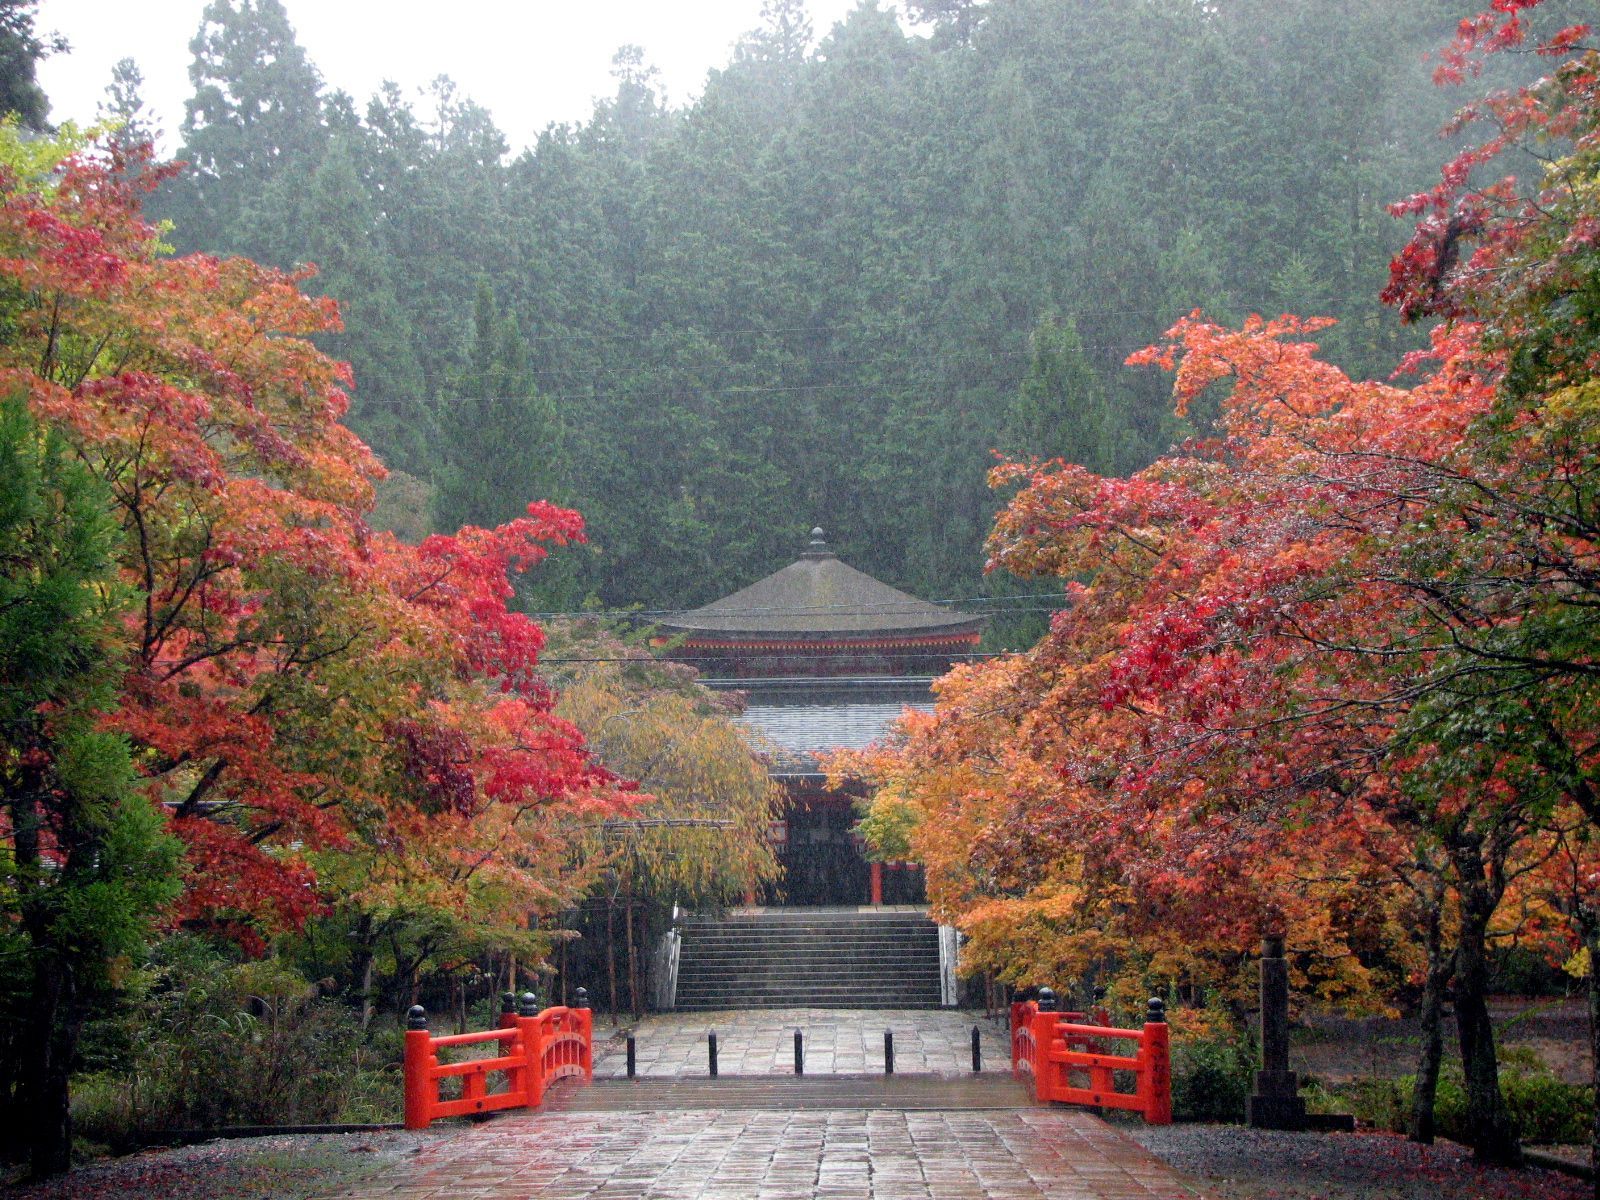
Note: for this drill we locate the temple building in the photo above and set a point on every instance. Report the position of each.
(828, 656)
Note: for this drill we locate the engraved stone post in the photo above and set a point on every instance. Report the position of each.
(1276, 1103)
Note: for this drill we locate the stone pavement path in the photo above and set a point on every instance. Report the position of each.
(837, 1041)
(1025, 1154)
(843, 1132)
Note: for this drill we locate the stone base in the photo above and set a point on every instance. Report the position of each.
(1330, 1122)
(1289, 1113)
(1277, 1112)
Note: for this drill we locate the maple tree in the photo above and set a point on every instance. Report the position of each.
(698, 836)
(324, 715)
(1332, 671)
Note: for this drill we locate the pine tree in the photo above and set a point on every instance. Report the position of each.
(87, 859)
(505, 437)
(124, 104)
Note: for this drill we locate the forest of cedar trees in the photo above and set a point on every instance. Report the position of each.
(334, 437)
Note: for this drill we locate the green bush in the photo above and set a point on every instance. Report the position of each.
(213, 1042)
(1547, 1109)
(1211, 1078)
(1544, 1108)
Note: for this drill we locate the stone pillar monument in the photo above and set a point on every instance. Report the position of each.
(1276, 1103)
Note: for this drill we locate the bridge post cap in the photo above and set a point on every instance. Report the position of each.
(508, 1003)
(1047, 1000)
(1100, 993)
(528, 1005)
(582, 998)
(1156, 1011)
(416, 1017)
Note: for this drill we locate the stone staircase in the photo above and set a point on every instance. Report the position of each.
(809, 958)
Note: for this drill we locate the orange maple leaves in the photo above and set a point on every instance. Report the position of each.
(297, 687)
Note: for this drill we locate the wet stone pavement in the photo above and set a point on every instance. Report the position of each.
(917, 1137)
(1026, 1154)
(837, 1041)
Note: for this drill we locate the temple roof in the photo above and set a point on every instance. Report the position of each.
(818, 595)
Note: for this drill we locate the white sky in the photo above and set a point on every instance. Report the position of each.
(529, 63)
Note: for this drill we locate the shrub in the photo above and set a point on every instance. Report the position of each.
(1544, 1108)
(214, 1042)
(1213, 1069)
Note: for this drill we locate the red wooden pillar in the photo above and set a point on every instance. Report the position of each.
(875, 875)
(1155, 1051)
(421, 1089)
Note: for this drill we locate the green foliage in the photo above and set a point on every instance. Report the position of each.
(505, 448)
(1212, 1076)
(887, 823)
(1543, 1107)
(124, 104)
(827, 289)
(21, 49)
(86, 863)
(209, 1041)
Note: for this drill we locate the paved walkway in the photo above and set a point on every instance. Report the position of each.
(935, 1131)
(837, 1041)
(1027, 1154)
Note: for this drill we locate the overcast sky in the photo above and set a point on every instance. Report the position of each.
(530, 62)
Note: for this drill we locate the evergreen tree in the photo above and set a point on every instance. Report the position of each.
(1060, 410)
(331, 223)
(505, 437)
(254, 121)
(21, 49)
(124, 104)
(86, 859)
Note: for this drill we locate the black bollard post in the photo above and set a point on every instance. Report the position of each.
(799, 1054)
(888, 1052)
(977, 1049)
(711, 1050)
(633, 1059)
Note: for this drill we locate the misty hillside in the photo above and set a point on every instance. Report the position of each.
(826, 291)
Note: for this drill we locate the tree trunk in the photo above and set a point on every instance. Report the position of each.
(46, 1066)
(50, 1036)
(611, 954)
(1490, 1131)
(1589, 923)
(1439, 967)
(633, 965)
(363, 966)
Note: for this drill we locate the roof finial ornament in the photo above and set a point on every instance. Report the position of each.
(818, 542)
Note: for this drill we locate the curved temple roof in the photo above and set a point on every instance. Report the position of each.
(818, 595)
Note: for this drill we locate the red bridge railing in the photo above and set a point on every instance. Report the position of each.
(1068, 1060)
(535, 1049)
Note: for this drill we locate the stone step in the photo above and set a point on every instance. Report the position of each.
(757, 924)
(808, 997)
(778, 1004)
(827, 996)
(820, 968)
(778, 959)
(909, 938)
(830, 953)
